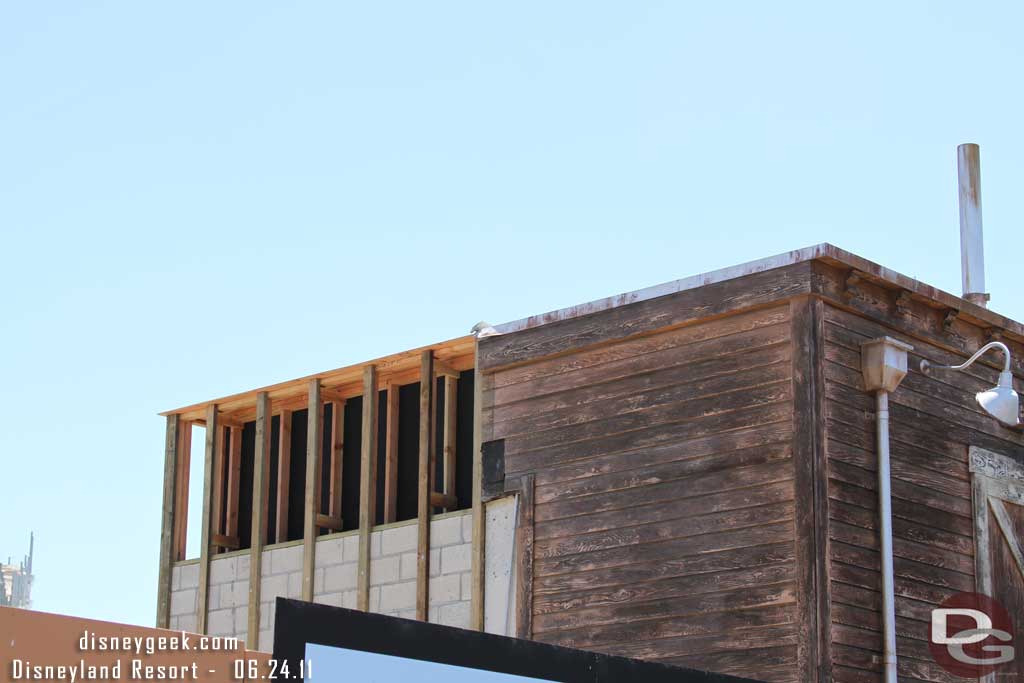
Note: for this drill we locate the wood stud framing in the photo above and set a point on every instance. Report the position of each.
(314, 443)
(367, 484)
(451, 388)
(171, 448)
(184, 447)
(425, 468)
(337, 462)
(284, 460)
(212, 444)
(234, 485)
(261, 489)
(391, 457)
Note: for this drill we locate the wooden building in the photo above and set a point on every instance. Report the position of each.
(686, 473)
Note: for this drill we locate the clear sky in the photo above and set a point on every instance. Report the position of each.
(202, 198)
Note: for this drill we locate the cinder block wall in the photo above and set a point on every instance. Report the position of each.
(392, 576)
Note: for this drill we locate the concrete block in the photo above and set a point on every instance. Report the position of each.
(375, 543)
(222, 570)
(187, 622)
(498, 565)
(265, 568)
(398, 540)
(241, 621)
(234, 594)
(445, 531)
(334, 599)
(285, 560)
(384, 570)
(189, 575)
(242, 567)
(375, 598)
(349, 599)
(407, 614)
(266, 643)
(268, 609)
(408, 566)
(455, 614)
(213, 597)
(183, 602)
(435, 562)
(456, 558)
(328, 552)
(341, 577)
(318, 580)
(221, 622)
(445, 588)
(432, 615)
(350, 548)
(398, 596)
(295, 585)
(175, 578)
(467, 586)
(467, 528)
(274, 587)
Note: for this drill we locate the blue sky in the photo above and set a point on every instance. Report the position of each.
(202, 198)
(336, 664)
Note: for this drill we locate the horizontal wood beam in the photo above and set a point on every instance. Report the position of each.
(328, 522)
(447, 501)
(223, 541)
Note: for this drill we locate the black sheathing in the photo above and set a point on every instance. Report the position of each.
(325, 463)
(275, 438)
(382, 447)
(245, 485)
(464, 440)
(297, 476)
(408, 450)
(438, 482)
(350, 462)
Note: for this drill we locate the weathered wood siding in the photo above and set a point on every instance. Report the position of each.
(664, 514)
(934, 420)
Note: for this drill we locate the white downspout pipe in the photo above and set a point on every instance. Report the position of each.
(885, 529)
(884, 365)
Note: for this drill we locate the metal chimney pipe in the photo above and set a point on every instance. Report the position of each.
(972, 249)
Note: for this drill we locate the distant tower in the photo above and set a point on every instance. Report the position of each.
(16, 580)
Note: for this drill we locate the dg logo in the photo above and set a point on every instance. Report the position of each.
(971, 635)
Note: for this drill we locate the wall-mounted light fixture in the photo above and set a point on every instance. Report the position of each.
(1001, 401)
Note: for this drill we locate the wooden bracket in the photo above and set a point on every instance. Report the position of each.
(853, 279)
(949, 319)
(903, 300)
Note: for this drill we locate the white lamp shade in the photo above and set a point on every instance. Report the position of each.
(1001, 401)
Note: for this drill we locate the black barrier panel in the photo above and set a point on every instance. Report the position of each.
(340, 645)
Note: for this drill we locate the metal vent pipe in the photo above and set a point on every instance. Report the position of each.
(972, 248)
